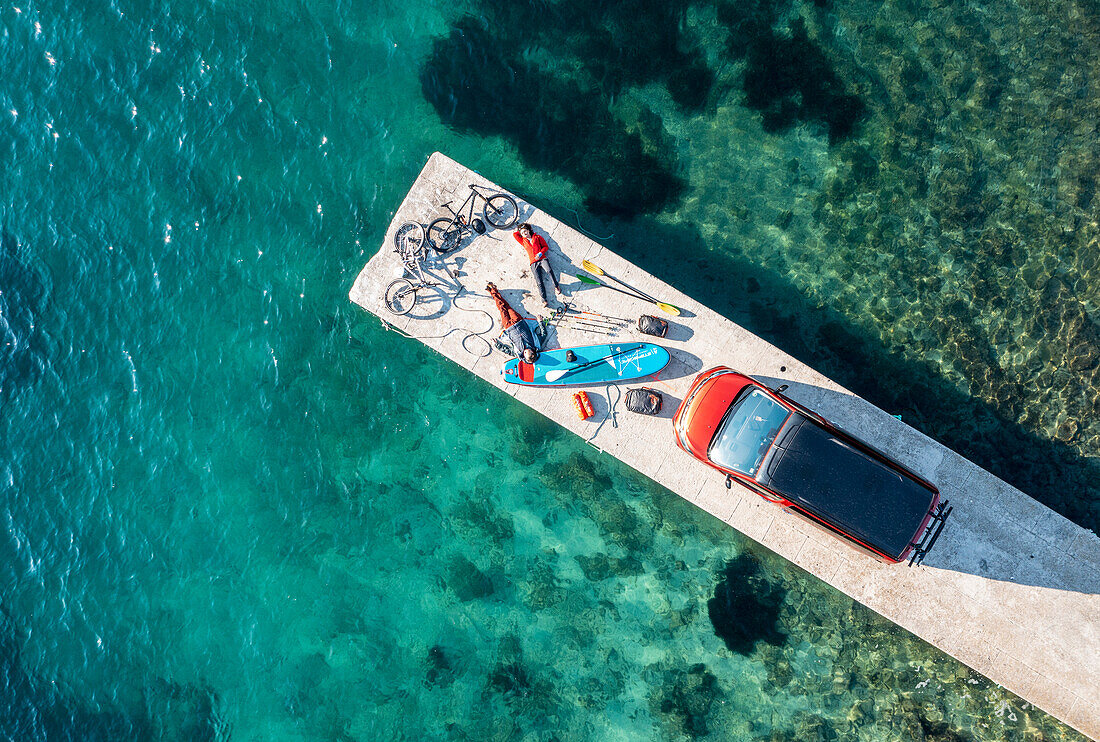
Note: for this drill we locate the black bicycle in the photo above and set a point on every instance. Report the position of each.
(445, 233)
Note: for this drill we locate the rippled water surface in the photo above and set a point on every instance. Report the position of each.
(237, 508)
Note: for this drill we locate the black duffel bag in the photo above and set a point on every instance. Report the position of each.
(644, 401)
(651, 325)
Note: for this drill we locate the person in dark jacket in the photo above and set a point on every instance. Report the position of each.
(538, 252)
(515, 329)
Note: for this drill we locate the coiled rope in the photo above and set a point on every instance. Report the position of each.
(469, 333)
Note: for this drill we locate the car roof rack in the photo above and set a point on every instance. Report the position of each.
(935, 528)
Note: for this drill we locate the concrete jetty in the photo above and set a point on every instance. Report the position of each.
(1012, 589)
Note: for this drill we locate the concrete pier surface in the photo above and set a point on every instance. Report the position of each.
(1011, 589)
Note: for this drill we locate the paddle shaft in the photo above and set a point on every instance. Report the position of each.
(557, 374)
(593, 268)
(586, 326)
(594, 282)
(593, 321)
(605, 317)
(591, 328)
(639, 292)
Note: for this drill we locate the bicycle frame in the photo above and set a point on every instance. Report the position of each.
(465, 220)
(500, 212)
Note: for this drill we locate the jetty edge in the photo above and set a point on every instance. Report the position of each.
(1011, 590)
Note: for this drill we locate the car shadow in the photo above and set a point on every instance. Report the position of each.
(766, 303)
(992, 531)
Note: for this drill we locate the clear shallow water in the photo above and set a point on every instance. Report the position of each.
(238, 509)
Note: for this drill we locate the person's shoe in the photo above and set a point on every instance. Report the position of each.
(490, 286)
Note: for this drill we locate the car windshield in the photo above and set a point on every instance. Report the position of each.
(747, 432)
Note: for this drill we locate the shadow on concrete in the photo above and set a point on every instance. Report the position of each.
(769, 306)
(682, 364)
(983, 536)
(669, 402)
(432, 302)
(677, 332)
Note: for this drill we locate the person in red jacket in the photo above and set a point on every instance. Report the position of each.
(515, 329)
(539, 254)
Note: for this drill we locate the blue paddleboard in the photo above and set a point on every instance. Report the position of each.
(594, 364)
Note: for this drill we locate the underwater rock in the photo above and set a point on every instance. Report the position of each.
(601, 566)
(688, 697)
(439, 670)
(576, 479)
(467, 581)
(745, 607)
(542, 589)
(920, 723)
(620, 523)
(476, 517)
(778, 665)
(682, 617)
(956, 195)
(530, 432)
(511, 680)
(594, 694)
(813, 728)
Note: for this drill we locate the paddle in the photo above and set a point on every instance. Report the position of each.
(560, 372)
(597, 270)
(666, 307)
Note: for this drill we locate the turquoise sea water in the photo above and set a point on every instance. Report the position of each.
(236, 508)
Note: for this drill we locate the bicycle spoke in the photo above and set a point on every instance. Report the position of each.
(501, 211)
(400, 296)
(409, 238)
(444, 235)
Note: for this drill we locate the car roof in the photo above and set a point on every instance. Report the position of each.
(823, 473)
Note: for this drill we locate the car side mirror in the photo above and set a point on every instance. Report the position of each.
(729, 481)
(782, 388)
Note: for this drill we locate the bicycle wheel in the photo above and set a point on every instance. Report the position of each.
(409, 238)
(444, 235)
(400, 296)
(501, 211)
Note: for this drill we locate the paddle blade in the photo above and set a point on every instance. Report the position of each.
(589, 279)
(556, 374)
(592, 268)
(668, 308)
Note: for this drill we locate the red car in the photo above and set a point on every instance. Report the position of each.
(797, 459)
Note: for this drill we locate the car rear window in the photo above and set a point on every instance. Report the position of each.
(747, 431)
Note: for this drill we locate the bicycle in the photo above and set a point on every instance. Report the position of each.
(401, 294)
(445, 234)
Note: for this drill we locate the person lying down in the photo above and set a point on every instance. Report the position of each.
(516, 330)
